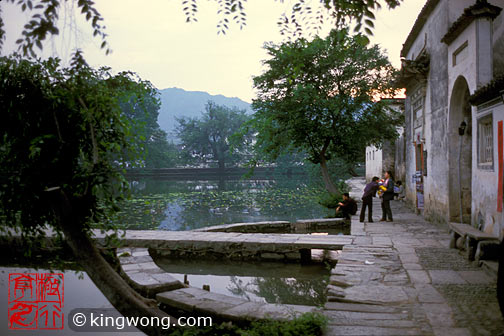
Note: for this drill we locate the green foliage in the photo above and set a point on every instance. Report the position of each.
(44, 19)
(319, 97)
(331, 200)
(308, 324)
(140, 104)
(208, 138)
(303, 14)
(62, 129)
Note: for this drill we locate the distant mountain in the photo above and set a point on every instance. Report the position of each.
(177, 102)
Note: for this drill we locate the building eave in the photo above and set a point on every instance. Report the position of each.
(488, 92)
(480, 9)
(417, 69)
(417, 27)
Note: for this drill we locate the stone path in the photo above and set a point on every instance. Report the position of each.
(232, 245)
(195, 239)
(401, 278)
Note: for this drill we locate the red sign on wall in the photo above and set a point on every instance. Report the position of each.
(35, 301)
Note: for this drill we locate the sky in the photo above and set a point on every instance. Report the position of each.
(152, 39)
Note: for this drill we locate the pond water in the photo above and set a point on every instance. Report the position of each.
(270, 282)
(187, 205)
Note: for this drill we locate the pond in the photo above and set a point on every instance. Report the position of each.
(270, 282)
(187, 205)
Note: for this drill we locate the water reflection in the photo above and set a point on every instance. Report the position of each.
(187, 205)
(270, 282)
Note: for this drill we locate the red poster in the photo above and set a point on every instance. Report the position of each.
(500, 150)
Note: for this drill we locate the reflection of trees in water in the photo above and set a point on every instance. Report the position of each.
(282, 290)
(186, 205)
(239, 288)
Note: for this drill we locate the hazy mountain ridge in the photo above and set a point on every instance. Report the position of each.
(177, 102)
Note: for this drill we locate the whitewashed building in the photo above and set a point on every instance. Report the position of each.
(383, 158)
(451, 67)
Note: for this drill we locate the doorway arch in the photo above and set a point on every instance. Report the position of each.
(460, 153)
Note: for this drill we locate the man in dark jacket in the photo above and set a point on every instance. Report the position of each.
(367, 199)
(347, 207)
(387, 196)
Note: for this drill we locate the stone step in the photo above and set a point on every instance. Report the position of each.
(371, 330)
(142, 273)
(490, 266)
(363, 308)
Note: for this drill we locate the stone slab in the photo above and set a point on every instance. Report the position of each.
(419, 276)
(378, 294)
(374, 323)
(446, 277)
(363, 308)
(476, 277)
(438, 314)
(446, 331)
(342, 315)
(375, 331)
(428, 294)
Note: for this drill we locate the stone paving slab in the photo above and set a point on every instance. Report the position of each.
(375, 331)
(437, 290)
(167, 239)
(142, 273)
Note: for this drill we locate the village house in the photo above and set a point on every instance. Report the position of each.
(379, 159)
(452, 61)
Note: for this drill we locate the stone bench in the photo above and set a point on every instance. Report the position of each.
(471, 238)
(142, 273)
(223, 307)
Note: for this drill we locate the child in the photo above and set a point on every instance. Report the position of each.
(398, 191)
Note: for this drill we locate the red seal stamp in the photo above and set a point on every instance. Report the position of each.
(35, 301)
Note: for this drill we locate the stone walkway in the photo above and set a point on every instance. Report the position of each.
(401, 278)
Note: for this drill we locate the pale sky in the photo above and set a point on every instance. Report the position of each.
(152, 39)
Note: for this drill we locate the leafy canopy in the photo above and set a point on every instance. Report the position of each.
(63, 129)
(142, 112)
(208, 138)
(320, 96)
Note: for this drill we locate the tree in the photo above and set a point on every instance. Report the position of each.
(62, 139)
(142, 113)
(320, 96)
(302, 14)
(208, 137)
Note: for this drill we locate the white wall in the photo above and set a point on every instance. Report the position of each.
(374, 162)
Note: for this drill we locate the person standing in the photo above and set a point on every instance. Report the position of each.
(367, 199)
(387, 196)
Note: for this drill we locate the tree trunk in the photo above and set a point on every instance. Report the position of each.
(222, 164)
(330, 187)
(126, 300)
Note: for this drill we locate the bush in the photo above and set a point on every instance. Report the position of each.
(309, 324)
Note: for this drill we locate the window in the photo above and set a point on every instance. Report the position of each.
(460, 54)
(417, 102)
(485, 142)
